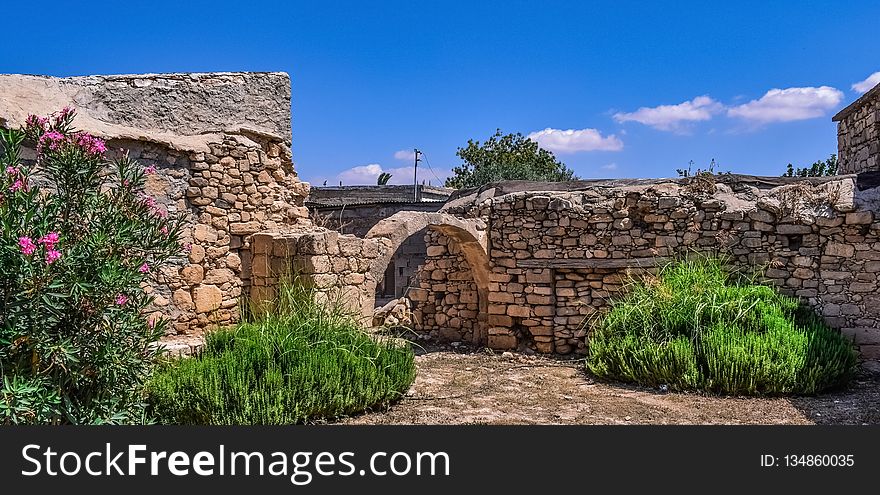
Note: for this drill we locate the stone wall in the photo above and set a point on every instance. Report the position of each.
(858, 135)
(446, 301)
(359, 219)
(241, 187)
(337, 267)
(556, 257)
(220, 144)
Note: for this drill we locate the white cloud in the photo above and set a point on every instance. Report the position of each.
(673, 117)
(574, 140)
(867, 84)
(363, 174)
(405, 155)
(610, 166)
(790, 104)
(369, 174)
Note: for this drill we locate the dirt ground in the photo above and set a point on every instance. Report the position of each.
(458, 385)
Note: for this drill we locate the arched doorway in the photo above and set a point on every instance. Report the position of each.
(463, 253)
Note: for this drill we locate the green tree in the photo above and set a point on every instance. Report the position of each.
(820, 168)
(506, 157)
(383, 179)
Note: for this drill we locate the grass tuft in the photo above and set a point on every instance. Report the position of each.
(300, 362)
(693, 327)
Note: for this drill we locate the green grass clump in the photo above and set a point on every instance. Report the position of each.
(694, 328)
(300, 362)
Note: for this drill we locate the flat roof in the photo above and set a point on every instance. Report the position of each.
(861, 101)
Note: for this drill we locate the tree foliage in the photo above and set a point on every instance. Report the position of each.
(506, 157)
(383, 179)
(821, 168)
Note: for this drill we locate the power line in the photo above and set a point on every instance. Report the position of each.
(431, 169)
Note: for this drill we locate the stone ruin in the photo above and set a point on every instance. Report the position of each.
(858, 134)
(556, 254)
(512, 265)
(221, 146)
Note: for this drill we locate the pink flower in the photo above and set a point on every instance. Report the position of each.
(121, 299)
(152, 323)
(150, 202)
(37, 122)
(65, 114)
(160, 212)
(54, 139)
(18, 185)
(91, 144)
(27, 246)
(52, 256)
(164, 230)
(145, 268)
(12, 170)
(187, 247)
(50, 240)
(150, 170)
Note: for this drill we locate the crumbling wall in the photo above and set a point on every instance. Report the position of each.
(220, 144)
(858, 135)
(445, 303)
(336, 266)
(558, 257)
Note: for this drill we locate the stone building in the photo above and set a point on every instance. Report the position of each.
(858, 134)
(357, 209)
(508, 265)
(544, 258)
(220, 144)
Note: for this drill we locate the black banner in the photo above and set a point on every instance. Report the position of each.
(435, 459)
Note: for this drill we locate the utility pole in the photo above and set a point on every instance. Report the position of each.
(416, 175)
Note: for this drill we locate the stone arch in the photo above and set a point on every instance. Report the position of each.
(469, 234)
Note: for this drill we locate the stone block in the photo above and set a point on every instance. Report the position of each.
(436, 250)
(838, 249)
(417, 294)
(182, 299)
(500, 320)
(501, 342)
(859, 218)
(519, 311)
(244, 228)
(207, 298)
(789, 229)
(192, 274)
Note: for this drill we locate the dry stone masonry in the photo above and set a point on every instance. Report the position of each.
(558, 256)
(858, 134)
(512, 265)
(220, 144)
(447, 299)
(336, 266)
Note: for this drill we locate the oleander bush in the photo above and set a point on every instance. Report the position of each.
(78, 237)
(697, 327)
(299, 362)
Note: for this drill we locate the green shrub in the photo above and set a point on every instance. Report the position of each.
(297, 363)
(693, 327)
(78, 238)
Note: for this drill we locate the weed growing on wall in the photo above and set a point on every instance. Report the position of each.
(694, 328)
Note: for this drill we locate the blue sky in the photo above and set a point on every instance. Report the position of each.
(642, 87)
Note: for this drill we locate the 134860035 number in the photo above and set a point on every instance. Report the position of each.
(819, 460)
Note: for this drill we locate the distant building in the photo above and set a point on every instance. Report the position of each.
(356, 209)
(858, 134)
